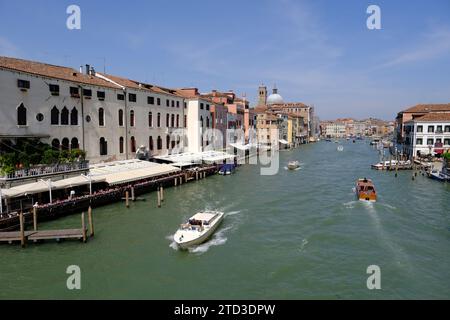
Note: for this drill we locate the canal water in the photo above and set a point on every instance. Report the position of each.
(294, 235)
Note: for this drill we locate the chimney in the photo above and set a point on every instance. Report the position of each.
(81, 69)
(92, 73)
(88, 69)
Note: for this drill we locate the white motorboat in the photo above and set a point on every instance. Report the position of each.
(198, 228)
(292, 165)
(391, 163)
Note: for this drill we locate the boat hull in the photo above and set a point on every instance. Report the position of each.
(204, 236)
(365, 191)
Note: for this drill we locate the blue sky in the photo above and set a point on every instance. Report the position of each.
(317, 52)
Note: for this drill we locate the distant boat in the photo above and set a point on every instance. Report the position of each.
(292, 165)
(439, 176)
(198, 228)
(227, 169)
(391, 163)
(365, 190)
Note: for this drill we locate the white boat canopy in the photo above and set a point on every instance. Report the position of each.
(283, 141)
(196, 157)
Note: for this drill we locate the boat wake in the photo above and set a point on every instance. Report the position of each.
(296, 169)
(303, 245)
(172, 244)
(217, 239)
(400, 256)
(350, 204)
(232, 213)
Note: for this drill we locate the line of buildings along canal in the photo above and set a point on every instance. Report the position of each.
(294, 235)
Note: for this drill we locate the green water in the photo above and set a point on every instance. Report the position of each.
(295, 235)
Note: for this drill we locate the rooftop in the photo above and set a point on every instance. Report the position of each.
(433, 117)
(52, 71)
(419, 108)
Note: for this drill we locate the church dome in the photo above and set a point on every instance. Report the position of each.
(274, 98)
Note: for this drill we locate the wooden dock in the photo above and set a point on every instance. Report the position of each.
(41, 235)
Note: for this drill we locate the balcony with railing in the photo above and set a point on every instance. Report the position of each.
(45, 170)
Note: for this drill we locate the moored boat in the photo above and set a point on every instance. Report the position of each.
(365, 190)
(439, 176)
(227, 169)
(198, 228)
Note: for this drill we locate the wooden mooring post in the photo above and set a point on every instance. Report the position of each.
(162, 194)
(127, 200)
(22, 230)
(91, 222)
(132, 194)
(34, 218)
(159, 197)
(175, 181)
(83, 227)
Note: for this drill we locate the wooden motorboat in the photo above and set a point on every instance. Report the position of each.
(365, 190)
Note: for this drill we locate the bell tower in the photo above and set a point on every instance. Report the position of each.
(262, 94)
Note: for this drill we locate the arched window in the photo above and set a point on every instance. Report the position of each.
(65, 116)
(172, 121)
(101, 117)
(167, 120)
(178, 120)
(131, 118)
(133, 144)
(103, 147)
(159, 143)
(167, 141)
(150, 143)
(121, 145)
(54, 118)
(120, 118)
(159, 120)
(55, 144)
(201, 121)
(65, 144)
(74, 144)
(150, 119)
(74, 117)
(207, 122)
(21, 115)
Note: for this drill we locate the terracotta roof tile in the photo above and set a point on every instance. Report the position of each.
(428, 108)
(52, 71)
(434, 117)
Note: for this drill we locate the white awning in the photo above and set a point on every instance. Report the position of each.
(26, 189)
(76, 181)
(283, 141)
(139, 174)
(196, 157)
(113, 173)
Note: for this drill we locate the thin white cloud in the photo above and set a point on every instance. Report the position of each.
(434, 44)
